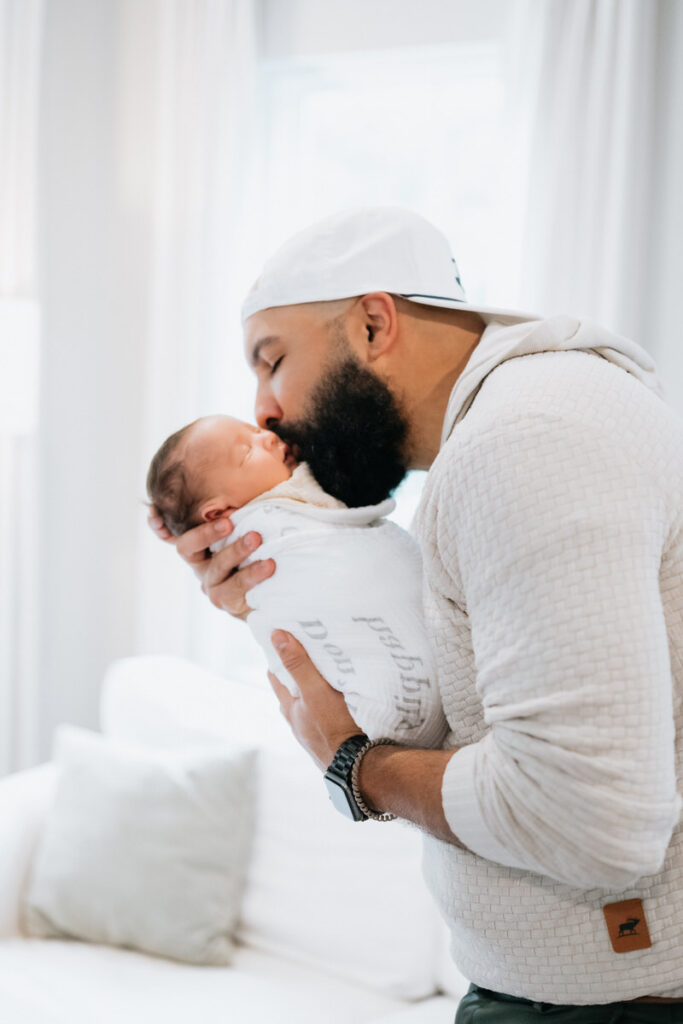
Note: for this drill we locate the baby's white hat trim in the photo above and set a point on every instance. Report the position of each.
(372, 249)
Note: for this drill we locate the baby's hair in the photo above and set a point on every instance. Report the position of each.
(168, 487)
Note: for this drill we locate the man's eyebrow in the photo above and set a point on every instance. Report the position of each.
(261, 344)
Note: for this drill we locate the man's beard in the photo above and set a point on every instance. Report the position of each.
(353, 436)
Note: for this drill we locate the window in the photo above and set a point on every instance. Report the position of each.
(415, 127)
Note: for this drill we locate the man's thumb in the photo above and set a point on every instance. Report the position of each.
(292, 654)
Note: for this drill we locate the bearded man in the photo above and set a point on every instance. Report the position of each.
(551, 530)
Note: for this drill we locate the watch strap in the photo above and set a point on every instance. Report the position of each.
(339, 770)
(346, 753)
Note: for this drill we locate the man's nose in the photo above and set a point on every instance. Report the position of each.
(267, 410)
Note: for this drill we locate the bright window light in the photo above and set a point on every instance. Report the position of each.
(415, 127)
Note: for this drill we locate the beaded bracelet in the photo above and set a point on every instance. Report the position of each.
(386, 816)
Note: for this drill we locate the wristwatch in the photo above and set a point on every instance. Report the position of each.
(341, 779)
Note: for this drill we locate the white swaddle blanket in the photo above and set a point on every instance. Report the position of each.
(348, 586)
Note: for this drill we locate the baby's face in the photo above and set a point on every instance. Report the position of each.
(230, 462)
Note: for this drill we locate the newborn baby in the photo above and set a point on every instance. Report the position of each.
(347, 583)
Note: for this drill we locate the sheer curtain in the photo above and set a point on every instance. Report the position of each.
(204, 220)
(20, 48)
(597, 135)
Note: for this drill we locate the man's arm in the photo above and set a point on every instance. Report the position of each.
(407, 783)
(558, 533)
(402, 780)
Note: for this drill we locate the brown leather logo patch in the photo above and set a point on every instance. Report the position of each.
(627, 926)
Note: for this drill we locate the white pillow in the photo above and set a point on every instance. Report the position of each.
(144, 848)
(338, 896)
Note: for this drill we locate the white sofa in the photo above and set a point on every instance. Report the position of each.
(336, 925)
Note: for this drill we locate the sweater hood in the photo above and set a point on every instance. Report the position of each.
(303, 493)
(500, 342)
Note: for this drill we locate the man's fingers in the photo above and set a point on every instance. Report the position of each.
(223, 582)
(230, 594)
(221, 570)
(295, 659)
(282, 693)
(156, 525)
(224, 563)
(321, 720)
(255, 573)
(192, 545)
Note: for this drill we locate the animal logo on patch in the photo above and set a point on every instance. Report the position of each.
(623, 921)
(629, 927)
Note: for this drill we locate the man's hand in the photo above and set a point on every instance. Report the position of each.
(222, 581)
(156, 525)
(319, 718)
(398, 779)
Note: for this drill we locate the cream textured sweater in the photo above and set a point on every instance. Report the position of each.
(551, 527)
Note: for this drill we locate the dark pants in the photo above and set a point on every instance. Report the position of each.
(480, 1006)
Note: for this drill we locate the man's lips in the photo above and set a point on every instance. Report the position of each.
(290, 455)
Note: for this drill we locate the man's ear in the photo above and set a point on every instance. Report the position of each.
(215, 510)
(380, 322)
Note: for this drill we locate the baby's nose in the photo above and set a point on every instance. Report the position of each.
(269, 439)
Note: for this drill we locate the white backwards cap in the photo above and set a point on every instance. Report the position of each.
(374, 249)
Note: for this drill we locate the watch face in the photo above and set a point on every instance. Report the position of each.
(343, 800)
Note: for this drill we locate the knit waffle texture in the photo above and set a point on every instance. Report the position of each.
(551, 534)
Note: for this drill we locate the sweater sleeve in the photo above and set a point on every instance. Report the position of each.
(558, 539)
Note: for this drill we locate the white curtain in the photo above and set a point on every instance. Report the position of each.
(205, 226)
(602, 128)
(20, 48)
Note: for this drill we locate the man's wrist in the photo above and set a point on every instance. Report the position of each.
(370, 772)
(406, 781)
(370, 812)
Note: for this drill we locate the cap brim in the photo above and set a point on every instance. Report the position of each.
(486, 312)
(255, 303)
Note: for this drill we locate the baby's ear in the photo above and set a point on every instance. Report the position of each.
(214, 511)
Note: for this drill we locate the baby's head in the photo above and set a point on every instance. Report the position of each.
(212, 467)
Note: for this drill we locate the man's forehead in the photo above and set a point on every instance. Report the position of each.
(254, 349)
(283, 323)
(259, 326)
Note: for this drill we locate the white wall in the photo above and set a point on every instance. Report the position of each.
(94, 247)
(93, 286)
